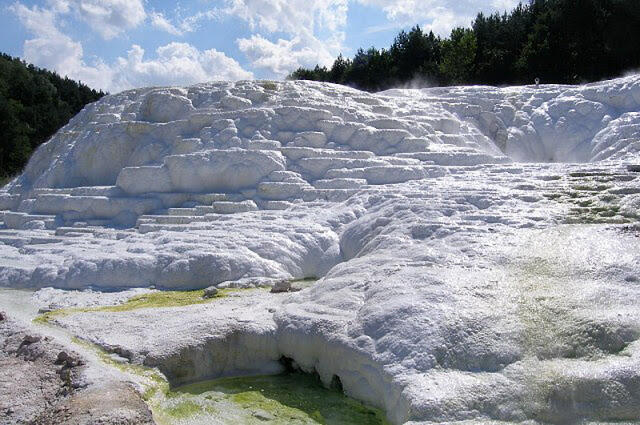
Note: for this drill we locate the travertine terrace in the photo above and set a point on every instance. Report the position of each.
(476, 248)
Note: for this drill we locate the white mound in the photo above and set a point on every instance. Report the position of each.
(476, 245)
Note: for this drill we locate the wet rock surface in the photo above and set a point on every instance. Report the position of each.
(474, 246)
(43, 384)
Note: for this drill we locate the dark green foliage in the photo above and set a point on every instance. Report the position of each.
(370, 70)
(459, 56)
(34, 104)
(415, 56)
(559, 41)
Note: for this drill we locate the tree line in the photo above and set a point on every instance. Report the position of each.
(34, 104)
(558, 41)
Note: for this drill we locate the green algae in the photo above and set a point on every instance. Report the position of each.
(545, 306)
(303, 283)
(538, 308)
(154, 383)
(589, 199)
(156, 299)
(269, 85)
(185, 409)
(281, 399)
(292, 398)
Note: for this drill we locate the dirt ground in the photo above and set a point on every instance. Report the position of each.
(41, 383)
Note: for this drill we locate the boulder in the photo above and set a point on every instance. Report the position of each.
(210, 292)
(281, 286)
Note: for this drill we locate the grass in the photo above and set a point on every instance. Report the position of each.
(156, 299)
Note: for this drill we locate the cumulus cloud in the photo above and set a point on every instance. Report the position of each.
(109, 18)
(283, 35)
(159, 21)
(283, 56)
(302, 21)
(440, 16)
(505, 4)
(290, 16)
(442, 20)
(173, 64)
(36, 19)
(54, 50)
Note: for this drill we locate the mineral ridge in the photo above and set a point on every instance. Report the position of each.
(476, 248)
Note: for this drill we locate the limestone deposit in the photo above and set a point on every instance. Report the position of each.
(473, 252)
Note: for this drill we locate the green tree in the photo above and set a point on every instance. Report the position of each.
(415, 55)
(339, 70)
(560, 41)
(568, 41)
(34, 104)
(459, 55)
(370, 70)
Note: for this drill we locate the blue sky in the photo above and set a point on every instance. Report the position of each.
(120, 44)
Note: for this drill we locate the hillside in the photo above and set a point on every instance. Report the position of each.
(557, 41)
(34, 104)
(461, 254)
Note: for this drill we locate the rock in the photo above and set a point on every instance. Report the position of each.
(118, 359)
(440, 260)
(634, 168)
(210, 292)
(281, 286)
(49, 308)
(262, 415)
(67, 361)
(3, 316)
(62, 357)
(30, 339)
(35, 391)
(65, 375)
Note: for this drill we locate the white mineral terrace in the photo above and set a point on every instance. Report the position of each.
(476, 248)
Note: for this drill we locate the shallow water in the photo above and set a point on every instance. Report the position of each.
(292, 398)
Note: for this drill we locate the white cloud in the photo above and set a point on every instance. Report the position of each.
(441, 20)
(59, 6)
(36, 20)
(290, 16)
(174, 63)
(54, 50)
(192, 23)
(109, 18)
(502, 5)
(283, 56)
(302, 21)
(284, 35)
(440, 16)
(159, 21)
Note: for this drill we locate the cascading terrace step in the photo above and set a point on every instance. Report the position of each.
(22, 220)
(81, 206)
(227, 207)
